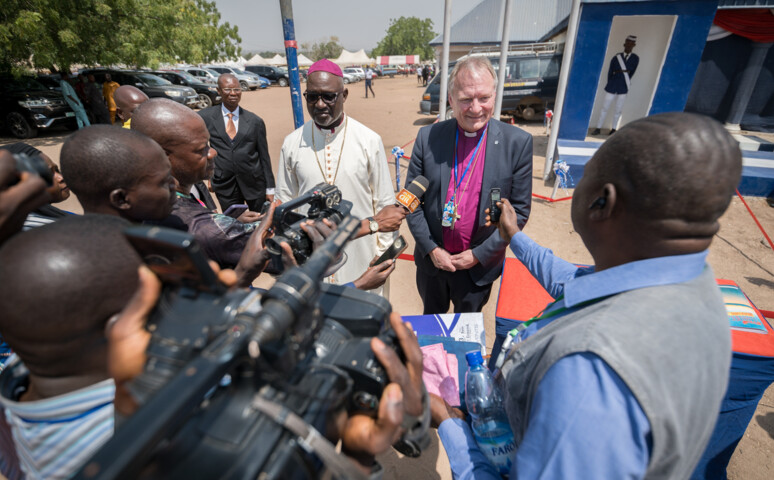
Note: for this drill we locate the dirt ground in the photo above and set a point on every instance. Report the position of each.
(739, 251)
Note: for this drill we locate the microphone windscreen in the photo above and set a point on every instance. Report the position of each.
(418, 186)
(410, 196)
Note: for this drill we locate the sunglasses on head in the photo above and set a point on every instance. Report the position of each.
(327, 97)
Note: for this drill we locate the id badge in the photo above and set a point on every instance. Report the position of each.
(448, 214)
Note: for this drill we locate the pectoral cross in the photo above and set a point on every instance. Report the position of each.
(455, 216)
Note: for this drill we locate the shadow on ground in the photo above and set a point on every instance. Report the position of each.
(424, 121)
(761, 282)
(767, 423)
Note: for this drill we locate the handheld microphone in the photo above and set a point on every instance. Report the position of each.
(410, 197)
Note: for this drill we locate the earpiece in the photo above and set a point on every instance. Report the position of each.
(598, 203)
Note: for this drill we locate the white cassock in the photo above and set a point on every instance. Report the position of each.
(351, 156)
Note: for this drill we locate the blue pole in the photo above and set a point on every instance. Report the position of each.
(291, 53)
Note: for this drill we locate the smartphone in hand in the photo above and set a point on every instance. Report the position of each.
(393, 251)
(234, 211)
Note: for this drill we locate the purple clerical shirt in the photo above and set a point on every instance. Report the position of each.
(457, 239)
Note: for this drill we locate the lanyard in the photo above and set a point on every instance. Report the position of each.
(541, 316)
(456, 139)
(182, 195)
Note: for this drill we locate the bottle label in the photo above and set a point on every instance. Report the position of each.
(498, 446)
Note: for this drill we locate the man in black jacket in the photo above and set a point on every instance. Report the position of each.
(242, 168)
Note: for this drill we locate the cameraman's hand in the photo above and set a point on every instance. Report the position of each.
(18, 200)
(316, 231)
(375, 276)
(364, 436)
(250, 217)
(127, 338)
(255, 257)
(508, 224)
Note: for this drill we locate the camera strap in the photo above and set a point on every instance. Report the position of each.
(310, 439)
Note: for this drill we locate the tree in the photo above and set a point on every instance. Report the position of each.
(56, 34)
(330, 49)
(408, 36)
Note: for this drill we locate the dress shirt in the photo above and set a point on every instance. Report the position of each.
(580, 393)
(235, 116)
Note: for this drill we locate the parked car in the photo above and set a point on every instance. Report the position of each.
(152, 85)
(264, 82)
(350, 78)
(208, 93)
(273, 74)
(247, 82)
(27, 106)
(51, 82)
(531, 80)
(204, 75)
(356, 71)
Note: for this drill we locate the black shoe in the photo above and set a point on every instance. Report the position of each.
(595, 131)
(612, 131)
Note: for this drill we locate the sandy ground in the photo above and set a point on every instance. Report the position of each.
(739, 252)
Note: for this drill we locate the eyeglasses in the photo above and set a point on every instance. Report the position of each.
(230, 90)
(327, 97)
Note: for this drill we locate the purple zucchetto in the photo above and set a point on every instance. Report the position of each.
(325, 65)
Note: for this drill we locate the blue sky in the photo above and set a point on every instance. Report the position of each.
(357, 23)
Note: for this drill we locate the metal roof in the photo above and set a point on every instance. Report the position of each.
(530, 21)
(728, 4)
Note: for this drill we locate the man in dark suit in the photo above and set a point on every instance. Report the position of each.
(242, 168)
(457, 256)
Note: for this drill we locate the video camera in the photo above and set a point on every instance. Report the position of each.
(33, 164)
(324, 201)
(247, 384)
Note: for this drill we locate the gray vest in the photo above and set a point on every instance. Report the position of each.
(670, 344)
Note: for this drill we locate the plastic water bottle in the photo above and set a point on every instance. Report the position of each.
(489, 420)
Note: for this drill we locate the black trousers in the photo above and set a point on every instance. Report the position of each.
(234, 196)
(458, 288)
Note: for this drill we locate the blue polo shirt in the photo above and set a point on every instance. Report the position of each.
(584, 421)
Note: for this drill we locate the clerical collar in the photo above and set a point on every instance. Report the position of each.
(333, 128)
(477, 133)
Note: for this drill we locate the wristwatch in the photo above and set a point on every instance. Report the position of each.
(373, 225)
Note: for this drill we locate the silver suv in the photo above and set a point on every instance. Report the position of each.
(247, 82)
(202, 74)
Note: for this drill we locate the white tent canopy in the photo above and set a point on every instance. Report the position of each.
(257, 60)
(353, 58)
(303, 61)
(277, 60)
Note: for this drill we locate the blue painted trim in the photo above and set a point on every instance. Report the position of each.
(683, 56)
(757, 181)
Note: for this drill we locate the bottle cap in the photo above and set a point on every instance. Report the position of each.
(474, 358)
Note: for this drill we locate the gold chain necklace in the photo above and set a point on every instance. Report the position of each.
(338, 162)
